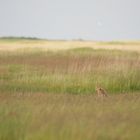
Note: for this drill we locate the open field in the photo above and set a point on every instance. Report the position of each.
(48, 94)
(75, 71)
(69, 117)
(17, 43)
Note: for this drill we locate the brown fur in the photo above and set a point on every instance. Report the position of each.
(101, 92)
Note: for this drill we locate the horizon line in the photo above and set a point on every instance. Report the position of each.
(63, 39)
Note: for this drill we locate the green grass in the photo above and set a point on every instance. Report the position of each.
(48, 95)
(124, 43)
(69, 117)
(75, 71)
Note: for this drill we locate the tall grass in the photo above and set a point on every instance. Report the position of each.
(75, 71)
(69, 117)
(69, 110)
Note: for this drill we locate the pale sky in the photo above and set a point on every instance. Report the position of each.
(71, 19)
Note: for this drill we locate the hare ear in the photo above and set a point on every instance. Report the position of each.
(97, 86)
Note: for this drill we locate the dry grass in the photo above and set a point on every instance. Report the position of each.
(75, 71)
(30, 109)
(11, 45)
(69, 117)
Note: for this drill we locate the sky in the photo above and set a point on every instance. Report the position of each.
(71, 19)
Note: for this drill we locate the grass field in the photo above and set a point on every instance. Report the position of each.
(69, 117)
(50, 95)
(12, 44)
(75, 71)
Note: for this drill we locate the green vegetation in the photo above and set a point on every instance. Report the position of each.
(17, 38)
(124, 43)
(48, 95)
(69, 117)
(75, 71)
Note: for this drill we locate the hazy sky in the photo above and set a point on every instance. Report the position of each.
(71, 19)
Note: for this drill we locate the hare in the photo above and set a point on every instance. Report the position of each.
(101, 92)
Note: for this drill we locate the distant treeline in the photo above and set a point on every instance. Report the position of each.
(19, 38)
(12, 38)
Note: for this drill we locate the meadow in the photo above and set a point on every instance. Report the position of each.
(50, 95)
(75, 71)
(69, 117)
